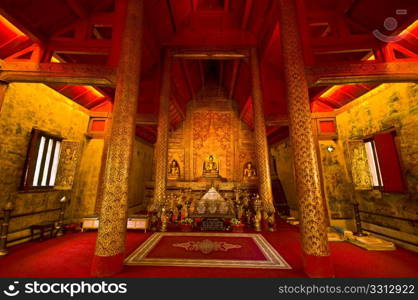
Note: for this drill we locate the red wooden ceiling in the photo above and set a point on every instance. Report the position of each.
(335, 31)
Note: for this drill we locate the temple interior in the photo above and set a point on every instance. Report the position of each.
(289, 126)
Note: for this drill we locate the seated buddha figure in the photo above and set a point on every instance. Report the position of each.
(249, 171)
(174, 170)
(210, 167)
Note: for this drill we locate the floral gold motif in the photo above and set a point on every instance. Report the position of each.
(308, 188)
(207, 246)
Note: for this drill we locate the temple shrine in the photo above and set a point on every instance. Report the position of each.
(189, 133)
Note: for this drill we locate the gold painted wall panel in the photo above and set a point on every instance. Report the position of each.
(336, 180)
(284, 165)
(212, 135)
(85, 190)
(389, 105)
(26, 106)
(141, 172)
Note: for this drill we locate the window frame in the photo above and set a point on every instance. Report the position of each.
(31, 161)
(376, 164)
(371, 137)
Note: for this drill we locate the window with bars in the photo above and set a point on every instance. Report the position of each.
(384, 162)
(42, 161)
(373, 162)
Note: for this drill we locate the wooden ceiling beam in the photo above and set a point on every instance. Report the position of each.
(277, 120)
(237, 65)
(187, 77)
(146, 119)
(362, 72)
(359, 41)
(211, 54)
(202, 73)
(226, 6)
(33, 34)
(73, 74)
(247, 14)
(171, 14)
(344, 6)
(77, 8)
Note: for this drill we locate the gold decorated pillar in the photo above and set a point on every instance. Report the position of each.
(262, 154)
(3, 88)
(110, 244)
(312, 217)
(161, 147)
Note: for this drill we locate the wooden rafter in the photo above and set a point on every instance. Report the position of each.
(277, 120)
(74, 74)
(247, 14)
(78, 9)
(35, 36)
(362, 72)
(187, 77)
(237, 65)
(146, 119)
(171, 14)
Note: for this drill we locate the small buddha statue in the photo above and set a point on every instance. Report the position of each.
(174, 170)
(249, 171)
(210, 167)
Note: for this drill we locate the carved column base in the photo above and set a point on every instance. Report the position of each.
(318, 266)
(106, 266)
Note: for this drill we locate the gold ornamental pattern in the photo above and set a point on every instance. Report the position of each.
(212, 135)
(113, 213)
(70, 155)
(161, 147)
(359, 166)
(207, 246)
(311, 209)
(262, 154)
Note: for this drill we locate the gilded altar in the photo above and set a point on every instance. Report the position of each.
(212, 146)
(212, 204)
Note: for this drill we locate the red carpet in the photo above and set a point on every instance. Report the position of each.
(71, 256)
(222, 250)
(248, 249)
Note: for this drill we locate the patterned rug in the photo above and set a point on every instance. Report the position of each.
(225, 250)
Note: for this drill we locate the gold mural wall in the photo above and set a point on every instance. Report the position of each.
(336, 181)
(26, 106)
(85, 188)
(390, 214)
(141, 172)
(212, 127)
(388, 106)
(284, 165)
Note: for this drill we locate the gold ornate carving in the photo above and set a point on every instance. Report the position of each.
(249, 170)
(207, 246)
(69, 157)
(212, 135)
(161, 147)
(113, 213)
(261, 146)
(174, 170)
(311, 209)
(359, 166)
(211, 167)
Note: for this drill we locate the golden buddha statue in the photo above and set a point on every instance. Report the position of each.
(210, 167)
(174, 170)
(249, 171)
